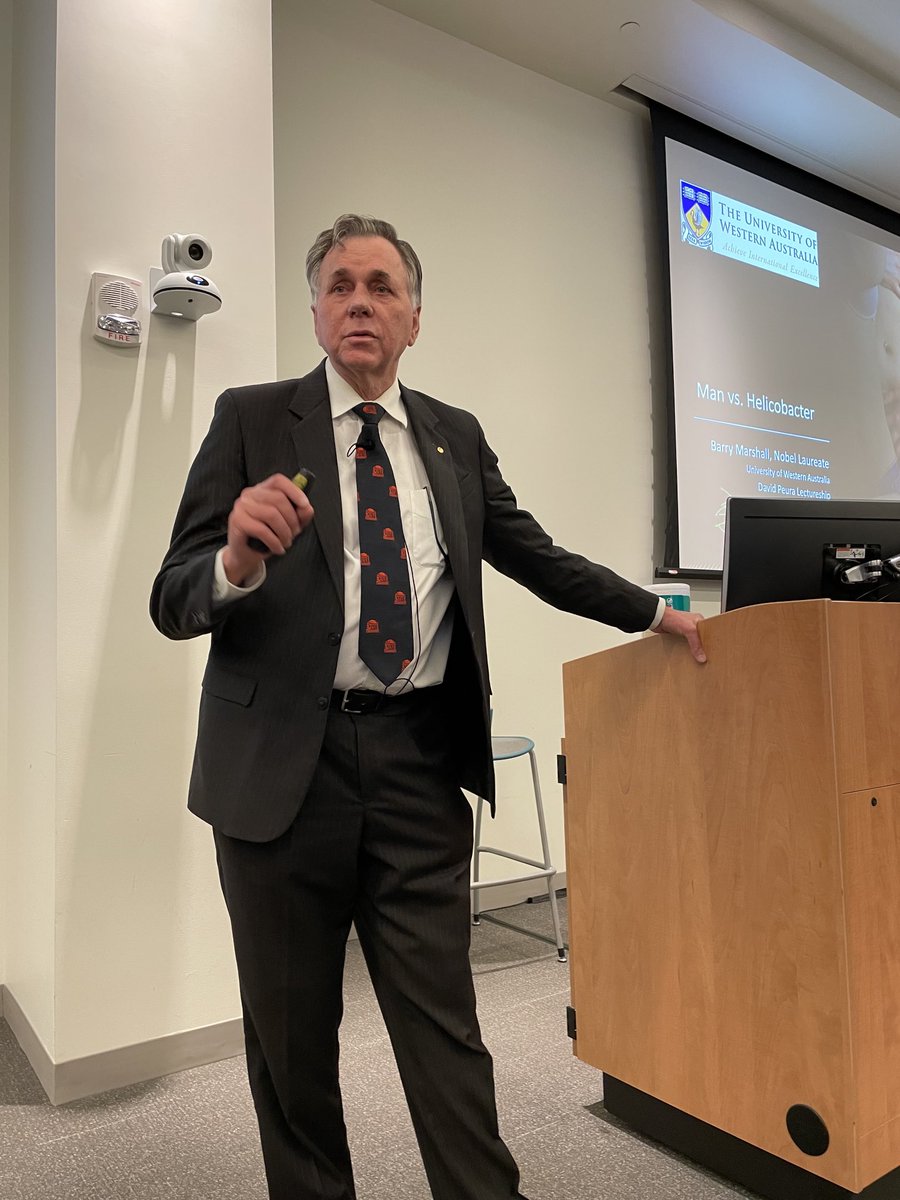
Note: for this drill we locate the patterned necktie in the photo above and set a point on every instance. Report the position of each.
(385, 624)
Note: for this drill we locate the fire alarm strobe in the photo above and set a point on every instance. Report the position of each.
(117, 301)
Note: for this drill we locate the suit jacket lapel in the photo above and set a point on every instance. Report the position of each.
(313, 438)
(437, 457)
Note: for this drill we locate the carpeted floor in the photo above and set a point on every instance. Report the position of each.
(192, 1136)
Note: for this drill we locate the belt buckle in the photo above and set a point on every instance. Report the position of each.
(356, 708)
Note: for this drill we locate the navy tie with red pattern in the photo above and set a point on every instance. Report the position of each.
(385, 624)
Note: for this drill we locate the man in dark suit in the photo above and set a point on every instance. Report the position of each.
(345, 703)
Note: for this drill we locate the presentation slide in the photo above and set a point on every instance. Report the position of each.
(786, 348)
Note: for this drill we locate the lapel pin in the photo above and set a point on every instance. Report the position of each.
(440, 449)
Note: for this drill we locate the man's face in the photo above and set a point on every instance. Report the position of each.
(364, 317)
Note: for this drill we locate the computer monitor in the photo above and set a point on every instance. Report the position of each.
(806, 550)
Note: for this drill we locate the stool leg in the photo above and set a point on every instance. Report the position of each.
(545, 847)
(475, 893)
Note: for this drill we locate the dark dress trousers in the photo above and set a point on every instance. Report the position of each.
(322, 818)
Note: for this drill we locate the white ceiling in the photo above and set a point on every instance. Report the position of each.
(814, 81)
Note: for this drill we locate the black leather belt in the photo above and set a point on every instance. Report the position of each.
(360, 702)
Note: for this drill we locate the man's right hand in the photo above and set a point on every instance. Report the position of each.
(276, 512)
(684, 624)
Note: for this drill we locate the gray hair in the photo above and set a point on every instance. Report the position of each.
(352, 225)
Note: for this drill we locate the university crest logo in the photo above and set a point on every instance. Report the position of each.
(695, 216)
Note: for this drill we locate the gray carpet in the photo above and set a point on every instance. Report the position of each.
(192, 1136)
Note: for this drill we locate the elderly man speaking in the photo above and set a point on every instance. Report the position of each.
(344, 706)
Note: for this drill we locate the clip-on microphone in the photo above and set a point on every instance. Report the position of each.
(366, 439)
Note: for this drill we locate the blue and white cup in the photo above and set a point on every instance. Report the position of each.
(676, 595)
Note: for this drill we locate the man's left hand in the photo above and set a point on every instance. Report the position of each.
(684, 624)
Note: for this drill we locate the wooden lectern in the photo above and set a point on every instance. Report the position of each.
(733, 861)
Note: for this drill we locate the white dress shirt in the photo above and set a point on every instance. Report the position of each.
(430, 582)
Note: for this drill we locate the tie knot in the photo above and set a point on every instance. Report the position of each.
(370, 414)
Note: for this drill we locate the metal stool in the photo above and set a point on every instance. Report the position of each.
(504, 748)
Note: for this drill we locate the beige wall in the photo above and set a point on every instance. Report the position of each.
(120, 934)
(529, 206)
(141, 931)
(30, 880)
(5, 113)
(141, 928)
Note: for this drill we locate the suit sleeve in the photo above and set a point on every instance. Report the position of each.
(516, 545)
(181, 602)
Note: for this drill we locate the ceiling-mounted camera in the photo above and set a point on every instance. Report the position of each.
(181, 289)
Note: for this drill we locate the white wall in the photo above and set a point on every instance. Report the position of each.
(32, 521)
(5, 116)
(142, 942)
(529, 206)
(135, 943)
(528, 203)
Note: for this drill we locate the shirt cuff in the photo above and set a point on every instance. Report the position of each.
(224, 590)
(660, 609)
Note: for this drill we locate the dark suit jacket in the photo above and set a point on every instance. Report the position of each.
(273, 654)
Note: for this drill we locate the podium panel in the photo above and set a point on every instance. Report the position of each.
(733, 849)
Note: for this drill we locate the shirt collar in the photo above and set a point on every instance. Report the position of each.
(343, 398)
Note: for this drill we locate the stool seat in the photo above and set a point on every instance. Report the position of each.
(504, 748)
(510, 747)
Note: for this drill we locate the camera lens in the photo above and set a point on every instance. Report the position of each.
(195, 250)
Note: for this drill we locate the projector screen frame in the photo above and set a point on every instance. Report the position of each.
(666, 123)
